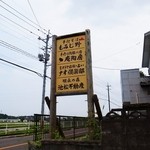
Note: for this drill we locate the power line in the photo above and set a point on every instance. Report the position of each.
(110, 101)
(19, 25)
(113, 69)
(96, 77)
(19, 18)
(121, 51)
(18, 34)
(34, 14)
(22, 16)
(105, 68)
(20, 37)
(39, 74)
(16, 49)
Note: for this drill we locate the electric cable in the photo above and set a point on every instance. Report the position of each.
(16, 49)
(22, 16)
(34, 15)
(106, 68)
(19, 37)
(39, 74)
(19, 18)
(121, 51)
(19, 25)
(110, 101)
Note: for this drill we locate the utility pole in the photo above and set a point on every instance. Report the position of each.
(108, 89)
(44, 57)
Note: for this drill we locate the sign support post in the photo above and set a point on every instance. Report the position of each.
(91, 113)
(53, 90)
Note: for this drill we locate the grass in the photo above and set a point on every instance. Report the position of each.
(13, 125)
(16, 128)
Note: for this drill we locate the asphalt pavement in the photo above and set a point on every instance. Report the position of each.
(15, 143)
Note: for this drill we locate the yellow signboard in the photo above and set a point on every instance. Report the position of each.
(71, 73)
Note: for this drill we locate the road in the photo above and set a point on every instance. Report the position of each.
(15, 143)
(21, 143)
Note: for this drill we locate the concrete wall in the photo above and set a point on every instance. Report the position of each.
(130, 135)
(70, 145)
(127, 128)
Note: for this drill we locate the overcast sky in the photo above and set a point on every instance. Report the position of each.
(117, 32)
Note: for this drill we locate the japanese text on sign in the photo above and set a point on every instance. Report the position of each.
(71, 65)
